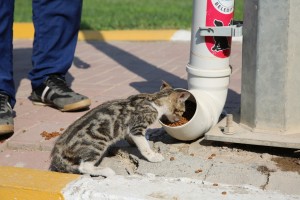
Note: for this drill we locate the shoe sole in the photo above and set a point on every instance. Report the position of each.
(77, 106)
(70, 107)
(5, 129)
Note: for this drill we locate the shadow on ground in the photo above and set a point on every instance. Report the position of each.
(22, 65)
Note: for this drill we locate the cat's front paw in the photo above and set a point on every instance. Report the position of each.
(155, 157)
(103, 171)
(107, 172)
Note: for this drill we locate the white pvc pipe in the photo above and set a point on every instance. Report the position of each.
(208, 69)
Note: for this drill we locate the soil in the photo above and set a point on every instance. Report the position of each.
(264, 170)
(287, 164)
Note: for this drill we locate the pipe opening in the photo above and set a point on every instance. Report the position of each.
(190, 110)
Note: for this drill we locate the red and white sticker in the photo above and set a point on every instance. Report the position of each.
(223, 6)
(219, 13)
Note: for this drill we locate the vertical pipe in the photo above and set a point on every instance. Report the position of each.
(208, 68)
(210, 52)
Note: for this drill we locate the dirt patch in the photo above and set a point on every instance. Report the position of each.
(125, 159)
(50, 135)
(287, 164)
(264, 170)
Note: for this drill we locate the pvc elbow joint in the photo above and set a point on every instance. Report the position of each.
(208, 90)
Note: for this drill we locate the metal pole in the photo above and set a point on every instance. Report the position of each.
(270, 106)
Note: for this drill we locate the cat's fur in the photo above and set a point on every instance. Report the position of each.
(84, 143)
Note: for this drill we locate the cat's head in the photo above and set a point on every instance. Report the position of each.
(172, 102)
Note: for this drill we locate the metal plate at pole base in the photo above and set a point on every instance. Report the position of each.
(244, 136)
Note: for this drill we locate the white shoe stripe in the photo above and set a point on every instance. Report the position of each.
(44, 93)
(9, 105)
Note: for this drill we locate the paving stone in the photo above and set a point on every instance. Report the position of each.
(27, 159)
(283, 181)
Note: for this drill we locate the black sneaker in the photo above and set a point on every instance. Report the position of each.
(6, 115)
(56, 93)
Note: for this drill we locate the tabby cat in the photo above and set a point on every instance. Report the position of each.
(84, 143)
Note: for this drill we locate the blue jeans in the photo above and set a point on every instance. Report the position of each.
(56, 24)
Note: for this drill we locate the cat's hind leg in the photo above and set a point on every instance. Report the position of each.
(90, 168)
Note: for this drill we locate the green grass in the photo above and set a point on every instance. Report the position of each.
(238, 10)
(138, 14)
(129, 14)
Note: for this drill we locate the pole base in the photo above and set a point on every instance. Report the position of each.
(244, 136)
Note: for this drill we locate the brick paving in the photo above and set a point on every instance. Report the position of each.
(102, 71)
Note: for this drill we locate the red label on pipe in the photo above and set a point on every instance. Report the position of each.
(219, 13)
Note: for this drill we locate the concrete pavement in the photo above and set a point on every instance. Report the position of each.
(117, 69)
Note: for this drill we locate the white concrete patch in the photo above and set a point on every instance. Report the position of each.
(181, 35)
(151, 187)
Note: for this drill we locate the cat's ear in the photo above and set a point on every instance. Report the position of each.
(165, 85)
(183, 96)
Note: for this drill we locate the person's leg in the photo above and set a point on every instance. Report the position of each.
(7, 88)
(56, 24)
(6, 49)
